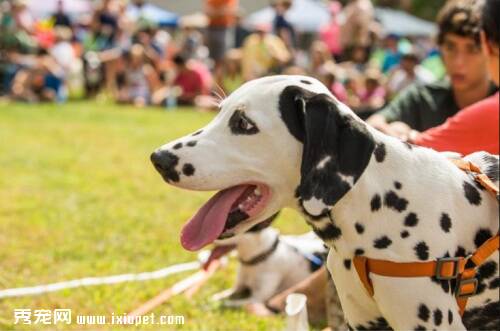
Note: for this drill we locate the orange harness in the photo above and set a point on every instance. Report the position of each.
(443, 268)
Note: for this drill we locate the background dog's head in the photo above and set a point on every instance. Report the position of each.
(276, 140)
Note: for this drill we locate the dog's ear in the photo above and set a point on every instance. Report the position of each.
(337, 149)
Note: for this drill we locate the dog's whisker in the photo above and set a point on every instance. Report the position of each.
(223, 93)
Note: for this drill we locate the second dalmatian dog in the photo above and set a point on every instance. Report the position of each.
(269, 263)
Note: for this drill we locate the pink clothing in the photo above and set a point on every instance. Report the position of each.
(339, 91)
(365, 95)
(204, 72)
(330, 35)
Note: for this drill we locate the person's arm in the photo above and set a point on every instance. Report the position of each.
(475, 128)
(397, 118)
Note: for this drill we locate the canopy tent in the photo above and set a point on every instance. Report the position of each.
(309, 15)
(152, 13)
(304, 15)
(39, 8)
(404, 24)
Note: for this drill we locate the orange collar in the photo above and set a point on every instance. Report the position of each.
(443, 268)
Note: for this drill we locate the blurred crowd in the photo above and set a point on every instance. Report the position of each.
(136, 61)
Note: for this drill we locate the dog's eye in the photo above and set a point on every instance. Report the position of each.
(240, 124)
(243, 124)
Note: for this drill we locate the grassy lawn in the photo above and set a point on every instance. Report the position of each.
(79, 198)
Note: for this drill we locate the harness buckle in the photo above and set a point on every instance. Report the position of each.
(462, 283)
(439, 267)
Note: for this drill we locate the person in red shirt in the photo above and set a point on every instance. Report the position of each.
(475, 128)
(190, 82)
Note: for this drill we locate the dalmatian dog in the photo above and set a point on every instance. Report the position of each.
(285, 141)
(269, 263)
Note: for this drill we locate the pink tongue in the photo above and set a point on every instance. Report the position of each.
(209, 221)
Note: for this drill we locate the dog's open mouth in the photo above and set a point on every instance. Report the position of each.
(222, 213)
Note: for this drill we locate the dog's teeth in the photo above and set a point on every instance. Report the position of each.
(240, 206)
(257, 191)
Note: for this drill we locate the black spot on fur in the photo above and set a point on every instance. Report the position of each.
(481, 236)
(328, 233)
(380, 152)
(359, 251)
(359, 228)
(493, 170)
(445, 222)
(483, 318)
(411, 219)
(419, 328)
(192, 143)
(404, 234)
(487, 270)
(422, 250)
(382, 242)
(376, 202)
(472, 194)
(177, 146)
(450, 317)
(392, 200)
(495, 283)
(398, 185)
(305, 81)
(378, 324)
(438, 317)
(188, 169)
(197, 133)
(347, 264)
(460, 252)
(423, 312)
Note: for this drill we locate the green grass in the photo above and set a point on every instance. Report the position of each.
(78, 198)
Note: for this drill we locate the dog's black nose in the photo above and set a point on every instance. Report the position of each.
(165, 162)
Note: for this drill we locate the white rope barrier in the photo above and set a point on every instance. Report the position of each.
(92, 281)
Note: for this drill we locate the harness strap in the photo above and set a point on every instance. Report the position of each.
(444, 268)
(480, 177)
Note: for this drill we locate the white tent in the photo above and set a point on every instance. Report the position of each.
(309, 15)
(304, 15)
(43, 8)
(404, 24)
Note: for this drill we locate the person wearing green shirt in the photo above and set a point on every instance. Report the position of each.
(420, 107)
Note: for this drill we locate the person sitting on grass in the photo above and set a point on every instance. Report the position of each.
(421, 107)
(188, 80)
(38, 78)
(138, 80)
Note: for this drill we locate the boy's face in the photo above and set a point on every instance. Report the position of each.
(464, 61)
